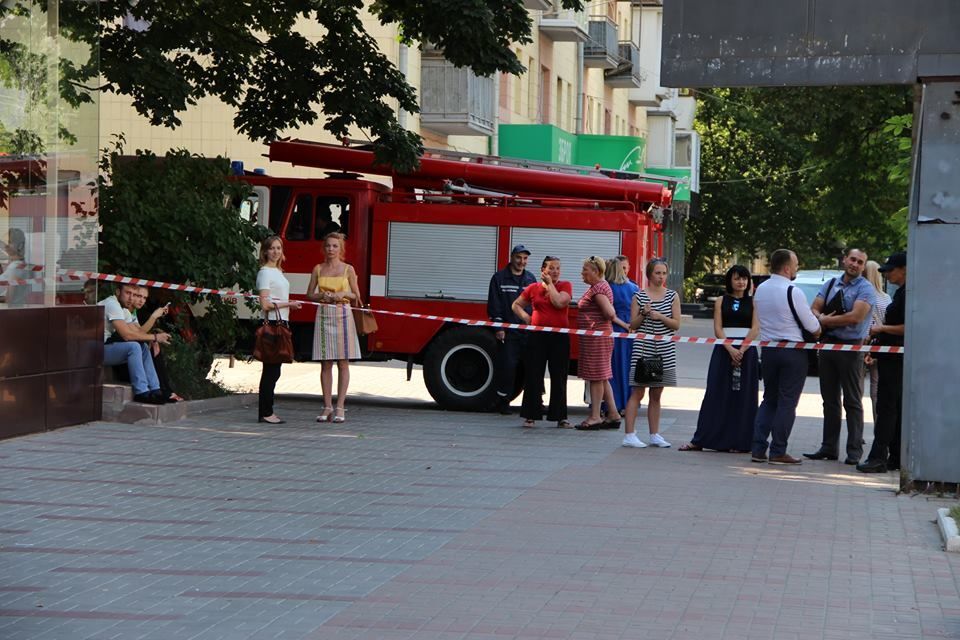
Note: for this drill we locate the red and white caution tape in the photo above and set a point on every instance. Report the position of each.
(506, 325)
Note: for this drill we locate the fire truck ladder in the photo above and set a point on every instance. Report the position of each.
(539, 165)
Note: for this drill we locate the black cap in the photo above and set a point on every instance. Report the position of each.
(520, 249)
(898, 259)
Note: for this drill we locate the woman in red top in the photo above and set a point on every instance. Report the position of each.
(596, 313)
(549, 299)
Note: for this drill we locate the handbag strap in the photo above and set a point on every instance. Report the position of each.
(793, 310)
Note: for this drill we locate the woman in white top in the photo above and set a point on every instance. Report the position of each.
(872, 273)
(274, 290)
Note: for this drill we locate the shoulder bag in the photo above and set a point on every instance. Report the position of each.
(649, 369)
(274, 342)
(836, 305)
(807, 336)
(364, 319)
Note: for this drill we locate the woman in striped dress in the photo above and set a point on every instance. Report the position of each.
(655, 310)
(333, 283)
(872, 273)
(596, 313)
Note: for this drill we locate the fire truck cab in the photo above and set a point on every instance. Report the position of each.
(431, 243)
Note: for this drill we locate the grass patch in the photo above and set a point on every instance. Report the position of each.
(955, 513)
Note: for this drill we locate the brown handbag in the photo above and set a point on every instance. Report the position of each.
(364, 320)
(274, 342)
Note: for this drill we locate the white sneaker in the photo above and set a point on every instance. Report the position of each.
(631, 440)
(656, 440)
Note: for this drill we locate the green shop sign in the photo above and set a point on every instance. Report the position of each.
(547, 143)
(542, 142)
(682, 193)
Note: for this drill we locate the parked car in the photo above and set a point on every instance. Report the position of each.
(710, 289)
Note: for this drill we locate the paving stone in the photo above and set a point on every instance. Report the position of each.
(406, 522)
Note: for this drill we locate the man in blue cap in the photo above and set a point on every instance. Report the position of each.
(505, 286)
(885, 453)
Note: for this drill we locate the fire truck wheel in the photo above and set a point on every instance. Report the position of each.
(458, 369)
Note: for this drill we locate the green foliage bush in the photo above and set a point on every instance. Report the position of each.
(174, 219)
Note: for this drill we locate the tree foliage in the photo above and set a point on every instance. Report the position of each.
(250, 54)
(812, 169)
(174, 219)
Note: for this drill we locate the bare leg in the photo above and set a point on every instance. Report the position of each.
(326, 382)
(596, 396)
(633, 406)
(653, 409)
(343, 381)
(612, 413)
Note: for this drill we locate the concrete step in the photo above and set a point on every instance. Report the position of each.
(118, 406)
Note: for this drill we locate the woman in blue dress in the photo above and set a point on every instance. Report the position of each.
(729, 405)
(624, 289)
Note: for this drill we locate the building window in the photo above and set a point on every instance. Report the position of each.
(558, 117)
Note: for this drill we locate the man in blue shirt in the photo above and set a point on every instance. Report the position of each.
(505, 286)
(844, 307)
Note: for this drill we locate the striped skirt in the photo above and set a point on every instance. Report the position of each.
(335, 334)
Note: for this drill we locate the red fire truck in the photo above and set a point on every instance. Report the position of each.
(431, 243)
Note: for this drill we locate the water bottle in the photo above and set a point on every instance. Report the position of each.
(735, 379)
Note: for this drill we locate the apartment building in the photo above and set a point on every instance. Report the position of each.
(590, 96)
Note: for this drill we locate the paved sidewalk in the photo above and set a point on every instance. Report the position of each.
(407, 522)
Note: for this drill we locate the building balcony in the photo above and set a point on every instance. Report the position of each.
(627, 74)
(650, 94)
(602, 50)
(538, 5)
(565, 25)
(455, 101)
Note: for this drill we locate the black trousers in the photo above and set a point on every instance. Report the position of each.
(546, 351)
(886, 431)
(160, 365)
(508, 356)
(268, 383)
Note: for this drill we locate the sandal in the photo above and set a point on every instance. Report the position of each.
(529, 424)
(338, 416)
(589, 426)
(610, 424)
(690, 447)
(564, 424)
(174, 398)
(325, 416)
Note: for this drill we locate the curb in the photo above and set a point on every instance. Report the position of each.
(948, 529)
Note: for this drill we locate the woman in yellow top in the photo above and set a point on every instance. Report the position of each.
(333, 283)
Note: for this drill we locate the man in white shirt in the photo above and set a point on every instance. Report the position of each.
(784, 370)
(131, 345)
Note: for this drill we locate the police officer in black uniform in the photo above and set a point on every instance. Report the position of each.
(885, 453)
(505, 286)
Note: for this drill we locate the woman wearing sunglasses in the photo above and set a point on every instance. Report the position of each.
(733, 379)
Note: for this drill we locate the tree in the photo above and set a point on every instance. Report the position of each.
(174, 219)
(168, 55)
(812, 169)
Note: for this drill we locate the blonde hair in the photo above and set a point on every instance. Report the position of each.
(597, 263)
(615, 273)
(265, 246)
(871, 271)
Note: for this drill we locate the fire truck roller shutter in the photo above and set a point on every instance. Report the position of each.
(446, 262)
(441, 261)
(572, 246)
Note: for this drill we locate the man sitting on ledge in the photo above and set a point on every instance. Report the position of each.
(128, 343)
